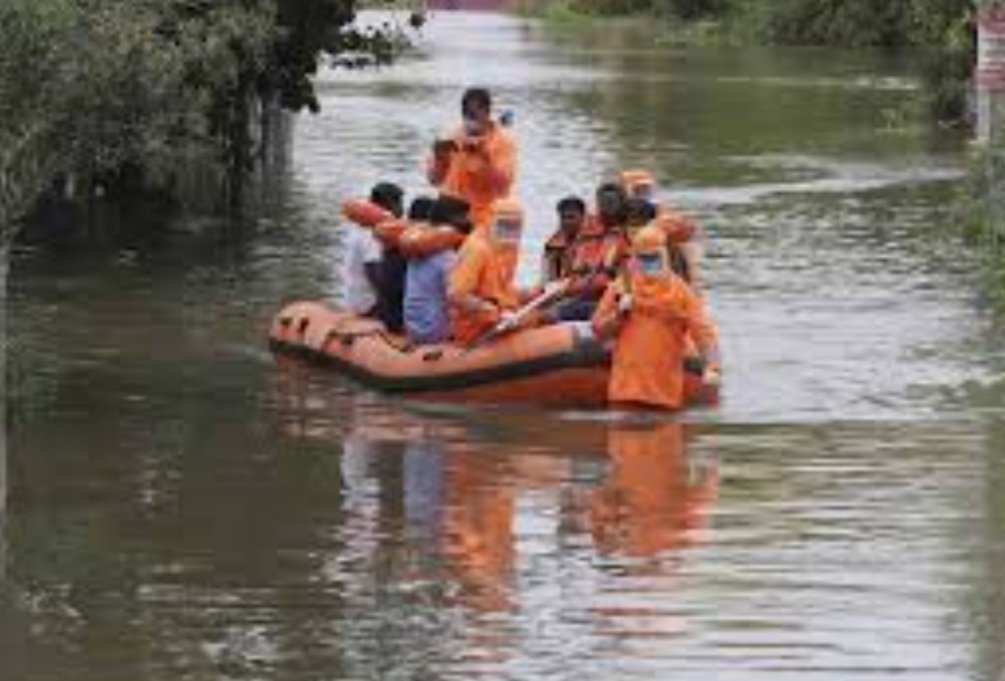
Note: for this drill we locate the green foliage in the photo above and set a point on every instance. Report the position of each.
(99, 87)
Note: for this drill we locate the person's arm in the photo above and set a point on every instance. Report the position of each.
(607, 316)
(501, 166)
(463, 282)
(438, 163)
(705, 336)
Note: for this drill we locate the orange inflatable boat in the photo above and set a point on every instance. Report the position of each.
(560, 365)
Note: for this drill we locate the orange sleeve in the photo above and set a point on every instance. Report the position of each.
(467, 271)
(503, 162)
(702, 330)
(678, 227)
(605, 315)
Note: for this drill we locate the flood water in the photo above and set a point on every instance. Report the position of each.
(182, 506)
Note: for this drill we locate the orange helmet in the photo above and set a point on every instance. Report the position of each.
(638, 183)
(648, 239)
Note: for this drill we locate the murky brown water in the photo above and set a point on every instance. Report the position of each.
(183, 507)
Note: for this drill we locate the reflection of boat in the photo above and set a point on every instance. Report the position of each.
(456, 494)
(561, 364)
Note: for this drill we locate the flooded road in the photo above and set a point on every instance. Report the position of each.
(180, 505)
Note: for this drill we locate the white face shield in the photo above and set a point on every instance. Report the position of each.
(506, 230)
(645, 191)
(651, 263)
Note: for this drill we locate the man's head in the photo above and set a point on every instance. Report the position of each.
(611, 204)
(571, 213)
(421, 208)
(476, 110)
(388, 196)
(639, 212)
(451, 210)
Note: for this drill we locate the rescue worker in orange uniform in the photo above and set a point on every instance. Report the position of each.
(476, 163)
(649, 311)
(480, 289)
(681, 230)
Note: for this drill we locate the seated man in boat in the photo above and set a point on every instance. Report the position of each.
(362, 272)
(650, 311)
(679, 228)
(597, 254)
(480, 289)
(391, 289)
(432, 254)
(477, 162)
(558, 249)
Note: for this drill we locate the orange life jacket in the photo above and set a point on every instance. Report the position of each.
(597, 253)
(422, 240)
(364, 212)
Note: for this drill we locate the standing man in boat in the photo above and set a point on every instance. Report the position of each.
(649, 311)
(477, 162)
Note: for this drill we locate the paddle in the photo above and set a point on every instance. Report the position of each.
(552, 290)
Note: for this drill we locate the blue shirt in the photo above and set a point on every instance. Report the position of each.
(426, 318)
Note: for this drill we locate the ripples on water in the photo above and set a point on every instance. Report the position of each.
(184, 507)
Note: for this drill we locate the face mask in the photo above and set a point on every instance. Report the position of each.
(649, 263)
(643, 191)
(472, 127)
(506, 230)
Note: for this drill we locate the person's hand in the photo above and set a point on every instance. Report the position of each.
(444, 147)
(507, 319)
(711, 376)
(625, 303)
(556, 287)
(474, 145)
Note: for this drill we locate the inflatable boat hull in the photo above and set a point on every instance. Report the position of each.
(561, 364)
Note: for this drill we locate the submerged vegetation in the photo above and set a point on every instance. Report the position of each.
(119, 95)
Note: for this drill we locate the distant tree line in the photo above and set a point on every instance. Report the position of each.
(945, 28)
(116, 93)
(883, 23)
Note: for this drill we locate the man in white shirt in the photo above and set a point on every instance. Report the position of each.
(362, 272)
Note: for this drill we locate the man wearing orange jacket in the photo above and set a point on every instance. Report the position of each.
(650, 310)
(480, 290)
(596, 254)
(476, 163)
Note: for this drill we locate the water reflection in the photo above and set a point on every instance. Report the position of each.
(480, 503)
